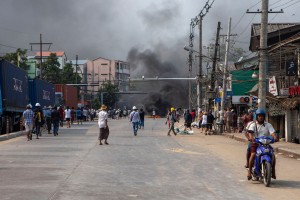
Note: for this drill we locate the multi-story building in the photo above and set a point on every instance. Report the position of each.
(61, 55)
(101, 70)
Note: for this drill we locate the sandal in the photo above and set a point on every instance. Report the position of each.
(249, 177)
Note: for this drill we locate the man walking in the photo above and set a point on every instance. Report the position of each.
(135, 119)
(173, 119)
(142, 118)
(103, 127)
(47, 114)
(39, 120)
(55, 120)
(28, 117)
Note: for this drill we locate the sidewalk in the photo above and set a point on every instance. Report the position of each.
(11, 135)
(289, 149)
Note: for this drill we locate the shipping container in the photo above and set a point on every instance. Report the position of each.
(13, 96)
(66, 95)
(13, 87)
(42, 92)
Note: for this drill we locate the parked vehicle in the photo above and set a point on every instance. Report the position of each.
(262, 168)
(16, 91)
(66, 95)
(42, 92)
(13, 96)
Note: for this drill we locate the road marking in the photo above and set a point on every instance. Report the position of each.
(178, 150)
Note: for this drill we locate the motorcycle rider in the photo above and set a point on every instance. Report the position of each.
(260, 128)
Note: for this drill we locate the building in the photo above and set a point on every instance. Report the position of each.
(101, 70)
(61, 55)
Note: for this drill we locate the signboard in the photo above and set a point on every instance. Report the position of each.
(273, 86)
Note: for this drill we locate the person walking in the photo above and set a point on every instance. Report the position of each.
(39, 120)
(79, 115)
(153, 113)
(210, 121)
(168, 119)
(47, 114)
(61, 115)
(142, 118)
(134, 119)
(55, 120)
(103, 126)
(173, 119)
(28, 119)
(188, 118)
(204, 122)
(68, 116)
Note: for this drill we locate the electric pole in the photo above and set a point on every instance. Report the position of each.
(224, 95)
(262, 86)
(41, 51)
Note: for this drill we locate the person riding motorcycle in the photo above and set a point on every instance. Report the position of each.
(260, 128)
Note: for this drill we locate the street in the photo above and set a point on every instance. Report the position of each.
(149, 166)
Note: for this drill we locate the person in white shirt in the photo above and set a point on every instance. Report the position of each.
(135, 119)
(103, 127)
(68, 116)
(260, 128)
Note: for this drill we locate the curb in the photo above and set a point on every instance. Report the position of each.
(285, 151)
(12, 135)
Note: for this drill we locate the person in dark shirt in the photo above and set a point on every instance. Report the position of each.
(210, 121)
(55, 117)
(142, 119)
(188, 118)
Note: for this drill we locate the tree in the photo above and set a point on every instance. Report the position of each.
(110, 96)
(68, 75)
(17, 57)
(50, 69)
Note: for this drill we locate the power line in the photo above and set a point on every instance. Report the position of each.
(291, 5)
(8, 46)
(284, 4)
(254, 5)
(275, 3)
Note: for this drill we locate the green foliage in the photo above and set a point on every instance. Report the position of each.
(69, 76)
(50, 69)
(13, 58)
(110, 96)
(95, 103)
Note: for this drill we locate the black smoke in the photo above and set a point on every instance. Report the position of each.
(161, 95)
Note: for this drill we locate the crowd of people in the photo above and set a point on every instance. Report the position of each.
(51, 118)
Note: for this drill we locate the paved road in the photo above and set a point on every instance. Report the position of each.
(148, 166)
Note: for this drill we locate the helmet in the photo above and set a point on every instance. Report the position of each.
(29, 106)
(134, 108)
(260, 111)
(37, 104)
(172, 109)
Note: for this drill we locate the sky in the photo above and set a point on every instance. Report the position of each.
(111, 28)
(130, 29)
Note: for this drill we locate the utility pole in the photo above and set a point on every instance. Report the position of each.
(76, 67)
(41, 51)
(199, 18)
(213, 71)
(262, 86)
(263, 55)
(224, 95)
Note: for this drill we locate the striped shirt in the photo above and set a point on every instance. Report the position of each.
(28, 117)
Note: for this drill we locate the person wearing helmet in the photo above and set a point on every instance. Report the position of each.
(260, 128)
(39, 120)
(173, 119)
(135, 119)
(28, 117)
(153, 113)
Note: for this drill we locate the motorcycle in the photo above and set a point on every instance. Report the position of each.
(262, 168)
